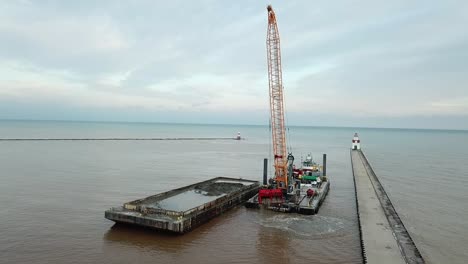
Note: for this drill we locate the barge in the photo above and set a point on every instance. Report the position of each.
(181, 210)
(309, 188)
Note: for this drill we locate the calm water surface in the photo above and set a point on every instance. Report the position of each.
(54, 193)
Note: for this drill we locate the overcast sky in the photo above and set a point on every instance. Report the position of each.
(398, 63)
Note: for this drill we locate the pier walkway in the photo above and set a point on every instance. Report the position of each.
(384, 237)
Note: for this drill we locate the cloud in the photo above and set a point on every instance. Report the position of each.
(451, 106)
(362, 59)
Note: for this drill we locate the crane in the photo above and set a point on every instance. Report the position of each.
(292, 190)
(276, 101)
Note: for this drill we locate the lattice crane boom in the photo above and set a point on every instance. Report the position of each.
(276, 101)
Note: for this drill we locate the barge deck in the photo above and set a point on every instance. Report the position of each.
(180, 210)
(302, 204)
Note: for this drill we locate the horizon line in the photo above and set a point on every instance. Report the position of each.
(225, 124)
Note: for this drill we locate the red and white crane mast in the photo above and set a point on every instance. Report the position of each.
(276, 101)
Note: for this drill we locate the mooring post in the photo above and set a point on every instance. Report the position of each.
(265, 171)
(324, 165)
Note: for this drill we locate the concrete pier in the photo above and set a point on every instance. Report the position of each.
(384, 237)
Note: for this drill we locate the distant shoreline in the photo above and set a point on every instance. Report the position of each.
(357, 128)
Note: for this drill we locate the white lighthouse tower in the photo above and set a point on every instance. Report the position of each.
(356, 142)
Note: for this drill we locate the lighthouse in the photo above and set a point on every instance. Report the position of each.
(356, 142)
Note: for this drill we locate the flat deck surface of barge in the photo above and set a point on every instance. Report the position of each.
(183, 209)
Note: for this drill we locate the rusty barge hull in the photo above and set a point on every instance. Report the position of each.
(181, 210)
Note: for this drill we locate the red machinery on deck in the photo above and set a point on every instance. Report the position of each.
(270, 194)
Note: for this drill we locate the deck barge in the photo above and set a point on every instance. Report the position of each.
(180, 210)
(302, 204)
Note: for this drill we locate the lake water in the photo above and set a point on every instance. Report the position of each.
(54, 193)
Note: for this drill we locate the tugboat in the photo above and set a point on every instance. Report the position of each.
(290, 190)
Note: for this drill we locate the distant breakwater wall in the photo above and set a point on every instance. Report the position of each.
(109, 139)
